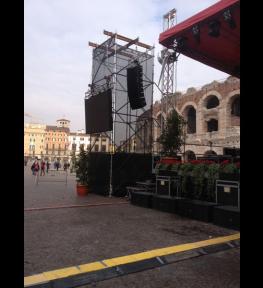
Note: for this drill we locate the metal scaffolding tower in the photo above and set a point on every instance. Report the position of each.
(168, 60)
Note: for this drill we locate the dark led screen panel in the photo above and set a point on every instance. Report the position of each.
(98, 112)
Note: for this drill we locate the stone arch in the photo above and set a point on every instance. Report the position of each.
(189, 114)
(233, 113)
(211, 101)
(209, 152)
(188, 103)
(208, 95)
(235, 106)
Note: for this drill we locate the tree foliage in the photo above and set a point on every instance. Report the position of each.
(172, 137)
(82, 166)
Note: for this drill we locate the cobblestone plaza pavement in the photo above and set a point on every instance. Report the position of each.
(73, 235)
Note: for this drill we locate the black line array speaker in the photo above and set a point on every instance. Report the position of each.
(135, 87)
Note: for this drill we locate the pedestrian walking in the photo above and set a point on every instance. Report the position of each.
(65, 166)
(48, 164)
(43, 164)
(35, 167)
(57, 165)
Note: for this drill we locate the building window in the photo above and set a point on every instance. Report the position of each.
(212, 102)
(212, 125)
(103, 148)
(235, 107)
(32, 147)
(74, 146)
(191, 120)
(96, 148)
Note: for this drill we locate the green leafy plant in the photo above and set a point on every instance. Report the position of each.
(185, 172)
(162, 167)
(212, 176)
(175, 167)
(230, 168)
(172, 137)
(199, 180)
(82, 164)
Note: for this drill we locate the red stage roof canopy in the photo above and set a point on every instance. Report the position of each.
(222, 49)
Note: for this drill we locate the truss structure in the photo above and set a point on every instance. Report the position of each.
(168, 60)
(110, 61)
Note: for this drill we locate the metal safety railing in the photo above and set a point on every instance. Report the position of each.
(171, 181)
(227, 185)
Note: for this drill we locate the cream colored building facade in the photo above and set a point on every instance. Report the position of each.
(34, 140)
(99, 143)
(58, 143)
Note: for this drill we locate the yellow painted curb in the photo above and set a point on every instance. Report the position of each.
(94, 266)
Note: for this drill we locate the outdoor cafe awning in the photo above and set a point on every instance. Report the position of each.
(212, 37)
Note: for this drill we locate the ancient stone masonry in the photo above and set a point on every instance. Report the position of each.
(212, 114)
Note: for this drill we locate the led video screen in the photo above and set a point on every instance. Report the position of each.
(98, 112)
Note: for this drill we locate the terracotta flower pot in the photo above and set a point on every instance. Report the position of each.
(82, 190)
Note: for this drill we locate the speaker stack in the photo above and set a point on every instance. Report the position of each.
(135, 87)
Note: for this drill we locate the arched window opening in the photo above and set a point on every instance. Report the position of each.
(235, 107)
(191, 121)
(212, 102)
(210, 152)
(212, 125)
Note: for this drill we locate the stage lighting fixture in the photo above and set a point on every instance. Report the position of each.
(180, 43)
(196, 33)
(214, 28)
(229, 19)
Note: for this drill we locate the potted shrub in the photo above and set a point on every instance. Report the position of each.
(82, 162)
(229, 171)
(172, 137)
